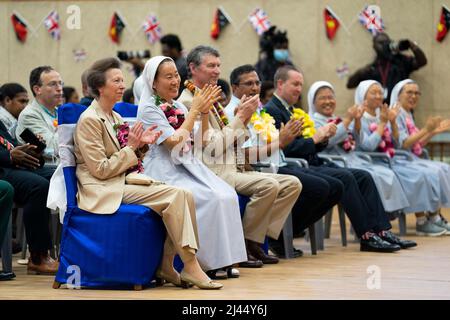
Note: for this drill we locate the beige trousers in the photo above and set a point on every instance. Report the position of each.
(177, 209)
(272, 197)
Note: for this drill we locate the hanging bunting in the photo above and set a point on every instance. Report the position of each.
(220, 21)
(259, 21)
(444, 24)
(152, 29)
(370, 18)
(51, 23)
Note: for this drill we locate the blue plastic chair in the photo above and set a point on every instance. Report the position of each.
(105, 250)
(125, 109)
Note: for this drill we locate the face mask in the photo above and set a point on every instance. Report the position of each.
(281, 55)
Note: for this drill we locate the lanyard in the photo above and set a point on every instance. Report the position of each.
(384, 72)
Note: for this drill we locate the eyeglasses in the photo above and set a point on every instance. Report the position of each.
(411, 93)
(55, 84)
(250, 84)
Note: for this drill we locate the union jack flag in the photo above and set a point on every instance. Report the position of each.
(51, 23)
(370, 18)
(259, 21)
(152, 29)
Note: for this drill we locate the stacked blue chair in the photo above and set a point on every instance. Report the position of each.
(104, 250)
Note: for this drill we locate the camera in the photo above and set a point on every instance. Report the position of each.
(126, 55)
(396, 47)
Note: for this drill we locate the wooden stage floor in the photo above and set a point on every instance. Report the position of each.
(335, 273)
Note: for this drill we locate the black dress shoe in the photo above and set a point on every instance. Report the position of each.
(254, 249)
(277, 247)
(376, 244)
(6, 276)
(392, 238)
(252, 262)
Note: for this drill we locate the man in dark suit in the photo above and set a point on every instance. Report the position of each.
(360, 198)
(20, 166)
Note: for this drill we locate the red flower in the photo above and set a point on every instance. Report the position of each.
(174, 115)
(122, 135)
(349, 143)
(386, 145)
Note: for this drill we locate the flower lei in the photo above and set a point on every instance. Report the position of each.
(412, 129)
(174, 115)
(264, 125)
(219, 114)
(308, 123)
(122, 135)
(349, 143)
(386, 145)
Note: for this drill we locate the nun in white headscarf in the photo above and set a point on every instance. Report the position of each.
(387, 183)
(218, 218)
(417, 186)
(440, 169)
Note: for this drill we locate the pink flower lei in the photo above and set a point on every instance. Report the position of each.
(386, 145)
(122, 136)
(349, 143)
(412, 129)
(174, 115)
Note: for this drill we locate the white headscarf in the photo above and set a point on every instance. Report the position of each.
(312, 93)
(396, 91)
(138, 86)
(361, 90)
(148, 75)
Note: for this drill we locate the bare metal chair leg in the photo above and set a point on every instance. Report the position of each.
(288, 238)
(318, 226)
(7, 248)
(21, 237)
(402, 223)
(312, 238)
(328, 220)
(54, 221)
(342, 225)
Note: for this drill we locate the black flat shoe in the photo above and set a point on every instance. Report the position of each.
(393, 239)
(217, 274)
(376, 244)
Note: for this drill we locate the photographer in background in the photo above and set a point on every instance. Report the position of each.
(135, 58)
(390, 65)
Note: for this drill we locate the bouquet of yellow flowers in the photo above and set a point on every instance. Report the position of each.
(308, 123)
(264, 125)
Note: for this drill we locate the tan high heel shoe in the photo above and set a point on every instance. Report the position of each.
(187, 279)
(160, 275)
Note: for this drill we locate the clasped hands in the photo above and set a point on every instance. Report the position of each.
(26, 155)
(138, 137)
(204, 98)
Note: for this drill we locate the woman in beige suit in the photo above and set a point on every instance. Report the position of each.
(104, 181)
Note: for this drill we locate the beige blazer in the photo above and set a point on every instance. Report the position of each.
(221, 141)
(101, 164)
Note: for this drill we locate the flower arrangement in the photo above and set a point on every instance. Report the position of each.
(174, 115)
(386, 145)
(308, 123)
(412, 129)
(349, 143)
(122, 135)
(264, 125)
